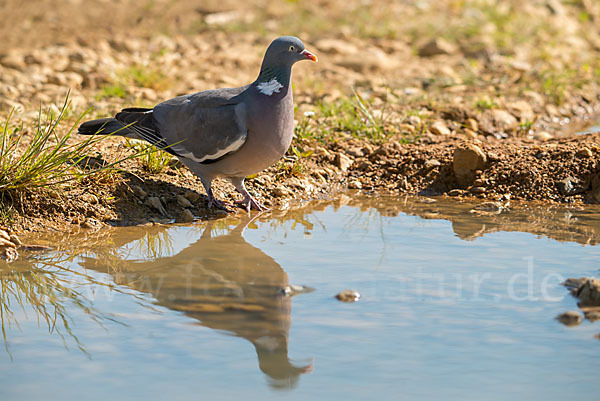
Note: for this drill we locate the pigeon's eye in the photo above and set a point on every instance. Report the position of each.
(292, 48)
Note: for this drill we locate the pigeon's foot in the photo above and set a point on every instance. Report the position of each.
(249, 203)
(225, 206)
(221, 205)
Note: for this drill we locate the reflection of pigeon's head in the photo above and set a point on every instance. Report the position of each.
(273, 361)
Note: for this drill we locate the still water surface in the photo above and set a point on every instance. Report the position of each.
(455, 306)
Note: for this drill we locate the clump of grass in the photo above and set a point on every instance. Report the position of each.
(41, 158)
(485, 104)
(152, 159)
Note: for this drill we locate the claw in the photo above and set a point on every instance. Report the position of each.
(221, 205)
(249, 203)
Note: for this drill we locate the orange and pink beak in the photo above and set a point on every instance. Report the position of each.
(309, 56)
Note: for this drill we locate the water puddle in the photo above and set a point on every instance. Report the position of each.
(455, 303)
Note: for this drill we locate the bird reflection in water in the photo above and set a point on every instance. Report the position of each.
(226, 284)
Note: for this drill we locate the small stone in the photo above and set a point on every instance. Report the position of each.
(191, 196)
(356, 152)
(570, 318)
(467, 159)
(15, 240)
(436, 47)
(478, 190)
(472, 124)
(570, 186)
(455, 192)
(432, 163)
(588, 292)
(183, 201)
(348, 296)
(354, 184)
(155, 203)
(542, 136)
(585, 152)
(439, 128)
(279, 192)
(592, 316)
(488, 207)
(139, 192)
(186, 216)
(343, 161)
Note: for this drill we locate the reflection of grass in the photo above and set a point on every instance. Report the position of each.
(47, 293)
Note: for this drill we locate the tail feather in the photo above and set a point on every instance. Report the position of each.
(103, 126)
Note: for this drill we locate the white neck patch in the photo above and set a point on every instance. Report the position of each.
(268, 88)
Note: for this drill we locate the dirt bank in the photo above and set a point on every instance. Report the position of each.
(469, 99)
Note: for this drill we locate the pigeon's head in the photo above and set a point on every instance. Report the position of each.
(285, 51)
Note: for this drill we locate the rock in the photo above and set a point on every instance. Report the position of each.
(186, 216)
(588, 292)
(584, 152)
(432, 163)
(570, 186)
(415, 121)
(14, 60)
(472, 124)
(455, 192)
(356, 151)
(291, 290)
(348, 296)
(69, 79)
(436, 47)
(336, 46)
(155, 203)
(498, 120)
(191, 196)
(354, 184)
(522, 110)
(592, 315)
(542, 136)
(279, 192)
(15, 240)
(570, 318)
(439, 128)
(478, 190)
(139, 192)
(343, 161)
(488, 208)
(183, 201)
(467, 159)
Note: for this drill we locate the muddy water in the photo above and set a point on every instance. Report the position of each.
(454, 305)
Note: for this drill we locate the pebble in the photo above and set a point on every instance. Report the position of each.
(585, 152)
(478, 190)
(192, 196)
(455, 192)
(570, 318)
(467, 159)
(439, 128)
(542, 136)
(432, 163)
(139, 192)
(592, 316)
(343, 161)
(436, 47)
(186, 216)
(348, 296)
(154, 202)
(183, 201)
